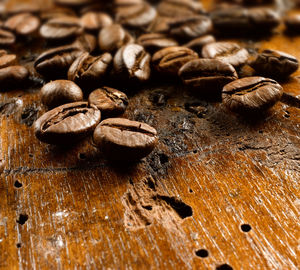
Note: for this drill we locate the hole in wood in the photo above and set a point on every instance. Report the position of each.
(19, 245)
(147, 207)
(82, 156)
(195, 151)
(163, 158)
(202, 253)
(190, 190)
(22, 219)
(224, 266)
(18, 184)
(245, 227)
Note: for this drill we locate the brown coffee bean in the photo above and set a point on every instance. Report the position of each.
(179, 8)
(122, 139)
(89, 71)
(251, 94)
(170, 60)
(113, 37)
(292, 22)
(56, 12)
(22, 7)
(61, 28)
(56, 93)
(13, 76)
(190, 27)
(23, 24)
(275, 64)
(132, 63)
(159, 25)
(73, 3)
(6, 37)
(56, 62)
(94, 21)
(111, 102)
(228, 52)
(156, 41)
(198, 43)
(85, 42)
(207, 76)
(67, 123)
(7, 60)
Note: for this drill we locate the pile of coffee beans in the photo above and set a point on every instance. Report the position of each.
(94, 50)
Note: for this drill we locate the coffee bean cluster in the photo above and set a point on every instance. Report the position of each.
(95, 50)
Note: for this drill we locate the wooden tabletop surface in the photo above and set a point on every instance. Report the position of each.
(67, 208)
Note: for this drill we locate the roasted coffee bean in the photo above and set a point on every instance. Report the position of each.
(7, 60)
(292, 23)
(111, 102)
(156, 41)
(190, 27)
(207, 76)
(13, 76)
(134, 13)
(170, 60)
(56, 93)
(275, 64)
(179, 8)
(56, 62)
(67, 123)
(56, 12)
(122, 139)
(246, 71)
(113, 37)
(251, 94)
(61, 28)
(86, 42)
(73, 3)
(6, 37)
(229, 52)
(132, 63)
(22, 7)
(159, 25)
(23, 24)
(89, 71)
(198, 43)
(94, 21)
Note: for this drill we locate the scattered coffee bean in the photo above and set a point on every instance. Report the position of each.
(94, 21)
(56, 12)
(122, 139)
(292, 23)
(275, 64)
(13, 76)
(6, 37)
(23, 24)
(198, 43)
(179, 8)
(86, 42)
(56, 93)
(251, 94)
(111, 102)
(7, 60)
(67, 123)
(156, 41)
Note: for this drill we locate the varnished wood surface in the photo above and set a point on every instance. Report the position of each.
(84, 213)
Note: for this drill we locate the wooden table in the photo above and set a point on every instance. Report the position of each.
(67, 208)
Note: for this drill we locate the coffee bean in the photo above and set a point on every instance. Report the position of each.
(113, 37)
(170, 60)
(251, 94)
(228, 52)
(22, 7)
(198, 43)
(292, 22)
(56, 12)
(207, 76)
(94, 21)
(275, 64)
(13, 76)
(190, 27)
(111, 102)
(156, 41)
(56, 93)
(179, 8)
(23, 24)
(67, 123)
(88, 71)
(132, 63)
(6, 37)
(73, 3)
(122, 139)
(7, 60)
(55, 63)
(86, 42)
(159, 25)
(61, 28)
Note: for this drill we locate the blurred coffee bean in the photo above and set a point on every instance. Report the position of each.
(292, 22)
(122, 139)
(73, 3)
(67, 123)
(207, 76)
(7, 59)
(89, 71)
(228, 52)
(190, 27)
(111, 102)
(251, 94)
(6, 37)
(56, 12)
(159, 25)
(23, 7)
(86, 42)
(198, 43)
(23, 24)
(156, 41)
(94, 21)
(132, 63)
(275, 64)
(61, 28)
(113, 37)
(170, 60)
(246, 71)
(179, 8)
(56, 62)
(56, 93)
(13, 76)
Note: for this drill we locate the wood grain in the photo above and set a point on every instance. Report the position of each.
(84, 213)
